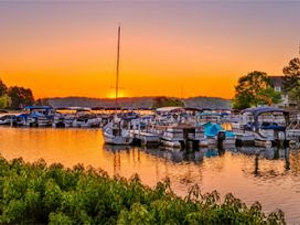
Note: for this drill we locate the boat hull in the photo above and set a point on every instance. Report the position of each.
(117, 140)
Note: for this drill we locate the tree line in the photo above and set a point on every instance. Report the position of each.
(256, 88)
(14, 97)
(159, 102)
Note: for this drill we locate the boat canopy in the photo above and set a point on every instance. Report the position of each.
(38, 107)
(266, 109)
(212, 130)
(260, 110)
(169, 109)
(209, 114)
(97, 108)
(79, 108)
(112, 108)
(193, 109)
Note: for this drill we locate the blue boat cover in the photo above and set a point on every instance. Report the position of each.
(36, 114)
(22, 116)
(212, 130)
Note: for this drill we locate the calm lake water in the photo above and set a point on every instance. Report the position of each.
(271, 176)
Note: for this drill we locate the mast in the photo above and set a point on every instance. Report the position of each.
(118, 61)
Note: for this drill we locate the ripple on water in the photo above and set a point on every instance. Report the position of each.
(252, 174)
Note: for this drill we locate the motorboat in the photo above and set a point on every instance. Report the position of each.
(267, 125)
(34, 116)
(214, 134)
(6, 119)
(116, 133)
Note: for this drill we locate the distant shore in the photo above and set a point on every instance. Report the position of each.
(201, 102)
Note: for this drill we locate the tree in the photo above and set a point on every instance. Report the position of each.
(292, 80)
(294, 93)
(5, 101)
(292, 74)
(165, 101)
(3, 88)
(20, 97)
(255, 89)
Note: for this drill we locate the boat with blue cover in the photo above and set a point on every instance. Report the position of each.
(214, 132)
(34, 116)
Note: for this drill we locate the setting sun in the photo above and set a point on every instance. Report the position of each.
(112, 94)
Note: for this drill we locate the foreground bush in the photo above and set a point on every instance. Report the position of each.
(35, 193)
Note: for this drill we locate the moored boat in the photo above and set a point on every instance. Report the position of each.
(115, 134)
(6, 120)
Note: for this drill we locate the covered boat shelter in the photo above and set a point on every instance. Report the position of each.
(256, 112)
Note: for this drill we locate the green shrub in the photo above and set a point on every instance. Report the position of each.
(37, 194)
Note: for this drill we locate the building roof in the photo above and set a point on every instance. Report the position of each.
(277, 81)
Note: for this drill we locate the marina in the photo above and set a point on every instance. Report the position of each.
(174, 127)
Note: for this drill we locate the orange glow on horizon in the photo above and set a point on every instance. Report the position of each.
(181, 50)
(112, 94)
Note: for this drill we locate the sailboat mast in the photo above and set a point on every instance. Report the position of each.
(118, 61)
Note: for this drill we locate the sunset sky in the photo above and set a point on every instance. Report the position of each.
(183, 48)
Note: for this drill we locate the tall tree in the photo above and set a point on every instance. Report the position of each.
(255, 89)
(20, 97)
(292, 80)
(291, 74)
(3, 88)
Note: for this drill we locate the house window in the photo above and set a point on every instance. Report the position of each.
(277, 89)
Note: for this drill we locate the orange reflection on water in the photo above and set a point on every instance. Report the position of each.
(271, 178)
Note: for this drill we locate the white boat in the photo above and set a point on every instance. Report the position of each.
(34, 116)
(63, 120)
(6, 120)
(244, 138)
(268, 125)
(117, 132)
(114, 134)
(172, 137)
(147, 138)
(39, 116)
(20, 120)
(87, 121)
(196, 135)
(215, 134)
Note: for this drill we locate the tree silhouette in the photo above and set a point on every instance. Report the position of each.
(292, 74)
(20, 97)
(3, 88)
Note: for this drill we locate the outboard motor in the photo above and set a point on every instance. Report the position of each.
(221, 137)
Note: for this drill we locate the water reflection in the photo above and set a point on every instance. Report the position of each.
(270, 176)
(267, 163)
(176, 155)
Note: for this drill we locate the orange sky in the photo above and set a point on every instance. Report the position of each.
(180, 49)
